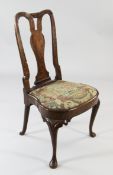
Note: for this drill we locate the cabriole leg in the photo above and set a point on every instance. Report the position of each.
(93, 115)
(26, 116)
(53, 128)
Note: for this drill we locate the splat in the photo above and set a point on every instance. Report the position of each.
(38, 44)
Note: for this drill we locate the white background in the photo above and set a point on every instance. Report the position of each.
(85, 45)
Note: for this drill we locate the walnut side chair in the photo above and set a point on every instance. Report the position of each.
(58, 101)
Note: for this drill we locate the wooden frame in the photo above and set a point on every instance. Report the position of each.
(54, 118)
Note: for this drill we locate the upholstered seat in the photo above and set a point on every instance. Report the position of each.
(64, 95)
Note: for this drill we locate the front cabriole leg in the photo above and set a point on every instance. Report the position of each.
(53, 126)
(93, 115)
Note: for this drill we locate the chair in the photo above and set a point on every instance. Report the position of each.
(58, 101)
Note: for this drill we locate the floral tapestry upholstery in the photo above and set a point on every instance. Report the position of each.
(64, 95)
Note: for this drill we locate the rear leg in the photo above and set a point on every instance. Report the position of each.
(26, 116)
(93, 115)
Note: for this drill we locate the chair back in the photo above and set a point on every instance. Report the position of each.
(37, 42)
